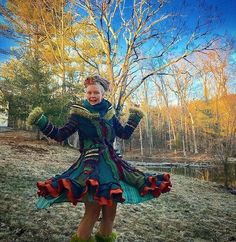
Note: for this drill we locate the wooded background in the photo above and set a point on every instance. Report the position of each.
(178, 70)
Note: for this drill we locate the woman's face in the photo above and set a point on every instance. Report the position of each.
(94, 94)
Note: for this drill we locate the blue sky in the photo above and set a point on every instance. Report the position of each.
(225, 8)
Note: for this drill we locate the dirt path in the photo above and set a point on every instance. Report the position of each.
(194, 211)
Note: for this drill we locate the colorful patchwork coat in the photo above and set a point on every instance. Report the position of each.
(99, 174)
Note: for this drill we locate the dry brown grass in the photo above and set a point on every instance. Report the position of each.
(194, 211)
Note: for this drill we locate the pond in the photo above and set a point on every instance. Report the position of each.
(214, 173)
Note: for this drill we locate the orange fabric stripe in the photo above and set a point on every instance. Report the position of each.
(46, 188)
(155, 190)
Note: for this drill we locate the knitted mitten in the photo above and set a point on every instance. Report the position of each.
(36, 117)
(109, 238)
(75, 238)
(135, 116)
(137, 113)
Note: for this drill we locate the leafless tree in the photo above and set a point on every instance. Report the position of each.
(127, 29)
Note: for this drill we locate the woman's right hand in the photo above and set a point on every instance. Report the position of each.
(34, 116)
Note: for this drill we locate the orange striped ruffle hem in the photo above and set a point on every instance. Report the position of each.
(46, 188)
(157, 190)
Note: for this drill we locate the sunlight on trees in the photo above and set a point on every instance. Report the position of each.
(178, 72)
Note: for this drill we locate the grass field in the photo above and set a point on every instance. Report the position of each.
(194, 210)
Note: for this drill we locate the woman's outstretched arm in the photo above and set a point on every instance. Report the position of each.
(124, 132)
(36, 117)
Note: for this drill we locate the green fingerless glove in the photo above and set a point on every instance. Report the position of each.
(36, 117)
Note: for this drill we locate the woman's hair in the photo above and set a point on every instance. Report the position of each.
(91, 80)
(101, 87)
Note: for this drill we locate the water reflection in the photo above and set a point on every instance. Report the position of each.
(211, 173)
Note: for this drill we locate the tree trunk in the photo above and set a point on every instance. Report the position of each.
(174, 134)
(151, 139)
(194, 134)
(186, 134)
(141, 139)
(182, 137)
(169, 131)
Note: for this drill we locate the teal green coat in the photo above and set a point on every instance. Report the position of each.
(99, 174)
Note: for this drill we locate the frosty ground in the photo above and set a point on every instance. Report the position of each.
(194, 210)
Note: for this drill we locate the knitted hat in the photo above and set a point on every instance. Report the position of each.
(97, 79)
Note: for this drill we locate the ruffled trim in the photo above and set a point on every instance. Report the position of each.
(154, 188)
(46, 188)
(34, 116)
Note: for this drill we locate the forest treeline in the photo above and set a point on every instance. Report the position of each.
(178, 70)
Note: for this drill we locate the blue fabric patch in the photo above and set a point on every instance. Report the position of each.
(131, 194)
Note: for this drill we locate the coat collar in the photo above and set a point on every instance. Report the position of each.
(81, 110)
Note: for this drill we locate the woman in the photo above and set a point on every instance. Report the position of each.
(100, 178)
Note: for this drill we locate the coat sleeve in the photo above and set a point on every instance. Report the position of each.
(60, 133)
(124, 132)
